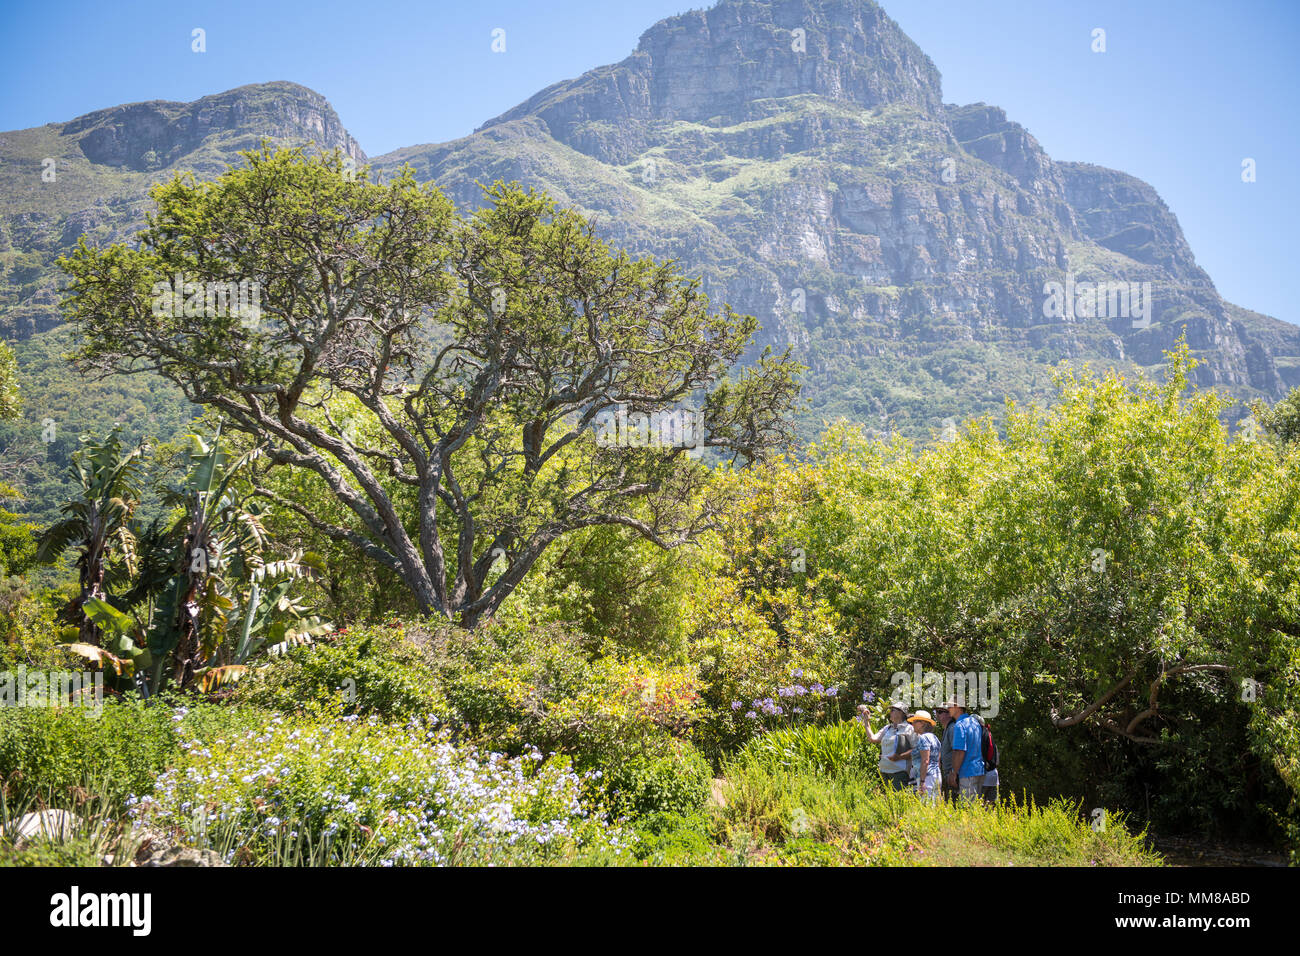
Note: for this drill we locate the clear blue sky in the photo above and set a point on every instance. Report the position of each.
(1185, 90)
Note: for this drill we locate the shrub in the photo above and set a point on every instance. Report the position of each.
(674, 839)
(676, 782)
(500, 681)
(45, 749)
(514, 687)
(746, 649)
(368, 671)
(29, 634)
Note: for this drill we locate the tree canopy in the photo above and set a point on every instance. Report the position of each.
(445, 377)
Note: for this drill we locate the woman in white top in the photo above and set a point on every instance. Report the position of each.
(893, 762)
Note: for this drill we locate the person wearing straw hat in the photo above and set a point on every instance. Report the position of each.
(925, 756)
(896, 744)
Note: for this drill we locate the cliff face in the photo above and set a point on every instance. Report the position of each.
(716, 64)
(798, 155)
(151, 135)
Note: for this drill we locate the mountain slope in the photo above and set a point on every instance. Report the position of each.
(103, 164)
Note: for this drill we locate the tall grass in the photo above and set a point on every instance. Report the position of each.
(868, 823)
(831, 748)
(95, 833)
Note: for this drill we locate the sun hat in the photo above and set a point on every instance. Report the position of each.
(922, 715)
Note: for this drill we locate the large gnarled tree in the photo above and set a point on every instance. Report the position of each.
(443, 376)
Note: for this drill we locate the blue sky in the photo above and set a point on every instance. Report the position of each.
(1184, 92)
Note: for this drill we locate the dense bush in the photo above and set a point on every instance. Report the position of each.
(29, 633)
(512, 687)
(47, 750)
(748, 643)
(370, 670)
(675, 782)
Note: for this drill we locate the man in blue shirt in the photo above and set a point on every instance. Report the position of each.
(967, 773)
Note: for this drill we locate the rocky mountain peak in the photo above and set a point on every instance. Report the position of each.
(159, 132)
(719, 65)
(716, 62)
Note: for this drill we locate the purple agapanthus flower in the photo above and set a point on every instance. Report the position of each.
(735, 705)
(869, 697)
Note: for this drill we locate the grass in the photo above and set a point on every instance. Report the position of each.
(846, 818)
(98, 834)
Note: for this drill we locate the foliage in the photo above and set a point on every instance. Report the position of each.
(17, 546)
(512, 686)
(97, 527)
(366, 671)
(93, 833)
(806, 816)
(123, 748)
(1119, 563)
(839, 748)
(1282, 420)
(641, 784)
(749, 643)
(610, 583)
(10, 402)
(195, 600)
(28, 629)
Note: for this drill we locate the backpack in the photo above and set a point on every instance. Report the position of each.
(905, 741)
(990, 749)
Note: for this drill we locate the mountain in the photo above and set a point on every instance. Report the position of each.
(797, 154)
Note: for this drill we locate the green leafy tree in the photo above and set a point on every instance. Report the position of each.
(480, 353)
(1282, 421)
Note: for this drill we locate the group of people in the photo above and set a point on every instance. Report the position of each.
(948, 765)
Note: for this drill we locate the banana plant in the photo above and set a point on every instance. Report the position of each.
(97, 523)
(223, 591)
